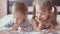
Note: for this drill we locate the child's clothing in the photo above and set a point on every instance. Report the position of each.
(26, 26)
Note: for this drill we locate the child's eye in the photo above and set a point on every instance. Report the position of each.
(13, 17)
(37, 12)
(18, 18)
(42, 14)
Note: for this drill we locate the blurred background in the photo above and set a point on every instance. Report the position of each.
(5, 6)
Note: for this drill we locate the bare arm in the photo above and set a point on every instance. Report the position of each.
(34, 24)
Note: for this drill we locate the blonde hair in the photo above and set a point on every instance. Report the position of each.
(19, 6)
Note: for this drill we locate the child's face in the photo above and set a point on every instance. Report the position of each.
(41, 15)
(18, 17)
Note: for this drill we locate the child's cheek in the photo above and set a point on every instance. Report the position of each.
(14, 20)
(44, 17)
(18, 21)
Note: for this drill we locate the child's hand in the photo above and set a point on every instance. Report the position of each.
(13, 28)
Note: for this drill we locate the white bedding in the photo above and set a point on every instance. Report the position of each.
(18, 32)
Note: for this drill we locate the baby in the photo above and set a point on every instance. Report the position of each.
(20, 20)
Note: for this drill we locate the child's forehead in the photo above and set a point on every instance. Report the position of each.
(19, 14)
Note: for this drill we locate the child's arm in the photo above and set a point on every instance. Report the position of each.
(11, 26)
(15, 27)
(34, 24)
